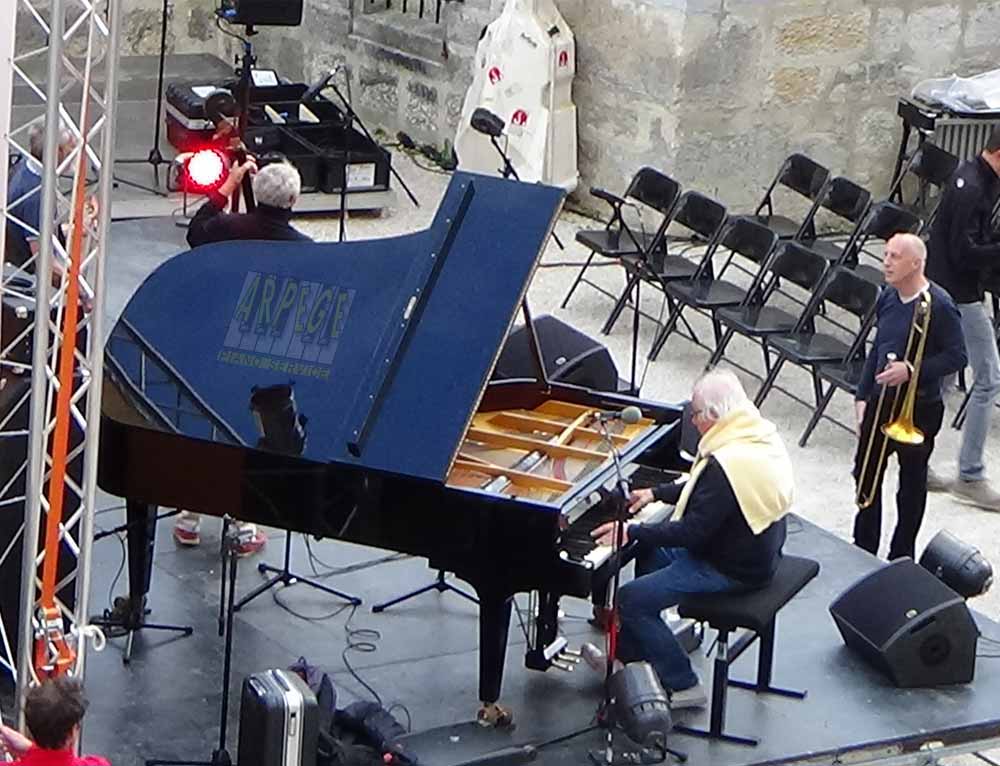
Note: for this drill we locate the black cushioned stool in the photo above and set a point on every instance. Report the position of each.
(755, 611)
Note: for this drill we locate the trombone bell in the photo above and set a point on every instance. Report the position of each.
(903, 432)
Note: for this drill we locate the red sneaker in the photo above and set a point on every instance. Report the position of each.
(186, 534)
(252, 541)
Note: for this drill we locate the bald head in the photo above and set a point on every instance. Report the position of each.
(904, 261)
(715, 395)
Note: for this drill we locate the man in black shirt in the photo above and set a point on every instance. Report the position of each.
(276, 189)
(725, 534)
(944, 354)
(964, 254)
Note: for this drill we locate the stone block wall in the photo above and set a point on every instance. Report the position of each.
(714, 92)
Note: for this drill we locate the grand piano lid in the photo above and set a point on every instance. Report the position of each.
(373, 353)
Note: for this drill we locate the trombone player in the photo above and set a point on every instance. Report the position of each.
(918, 341)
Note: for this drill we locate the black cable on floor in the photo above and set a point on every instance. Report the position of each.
(365, 640)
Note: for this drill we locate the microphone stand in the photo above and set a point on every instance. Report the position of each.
(507, 171)
(230, 557)
(351, 117)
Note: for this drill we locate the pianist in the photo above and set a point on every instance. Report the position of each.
(725, 535)
(276, 189)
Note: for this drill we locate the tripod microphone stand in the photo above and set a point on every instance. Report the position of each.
(128, 615)
(350, 118)
(155, 157)
(508, 171)
(285, 576)
(230, 557)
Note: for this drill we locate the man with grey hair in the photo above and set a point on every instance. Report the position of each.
(24, 199)
(276, 189)
(725, 535)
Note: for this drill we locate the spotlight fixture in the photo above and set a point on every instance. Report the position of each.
(957, 564)
(205, 170)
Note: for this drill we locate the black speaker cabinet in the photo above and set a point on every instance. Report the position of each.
(570, 356)
(270, 13)
(909, 625)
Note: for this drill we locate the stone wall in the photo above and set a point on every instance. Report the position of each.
(714, 92)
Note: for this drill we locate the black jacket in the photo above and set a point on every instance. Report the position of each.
(963, 246)
(944, 350)
(713, 528)
(210, 224)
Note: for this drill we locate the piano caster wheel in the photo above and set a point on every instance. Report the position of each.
(492, 714)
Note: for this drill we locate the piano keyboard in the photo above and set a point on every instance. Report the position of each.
(576, 544)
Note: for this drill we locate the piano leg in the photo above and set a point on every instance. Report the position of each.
(494, 623)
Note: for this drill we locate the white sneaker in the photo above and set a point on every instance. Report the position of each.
(692, 697)
(978, 493)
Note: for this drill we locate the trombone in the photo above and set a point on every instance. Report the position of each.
(901, 428)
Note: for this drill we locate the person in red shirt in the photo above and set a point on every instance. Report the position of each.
(53, 711)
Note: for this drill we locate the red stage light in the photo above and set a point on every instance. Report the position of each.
(206, 170)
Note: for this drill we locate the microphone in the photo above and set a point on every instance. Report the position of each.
(630, 415)
(316, 88)
(484, 121)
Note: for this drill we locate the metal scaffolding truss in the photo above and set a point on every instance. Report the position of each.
(58, 80)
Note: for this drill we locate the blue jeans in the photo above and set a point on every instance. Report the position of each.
(663, 576)
(981, 346)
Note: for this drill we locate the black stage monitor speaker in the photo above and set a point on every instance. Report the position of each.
(570, 357)
(262, 13)
(910, 625)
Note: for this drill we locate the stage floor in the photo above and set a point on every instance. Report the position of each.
(136, 193)
(166, 703)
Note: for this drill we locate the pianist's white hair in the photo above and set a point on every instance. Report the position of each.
(717, 393)
(913, 243)
(277, 185)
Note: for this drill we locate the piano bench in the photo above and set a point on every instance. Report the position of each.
(756, 612)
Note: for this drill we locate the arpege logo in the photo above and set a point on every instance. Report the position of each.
(284, 317)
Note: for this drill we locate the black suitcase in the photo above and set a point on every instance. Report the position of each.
(278, 721)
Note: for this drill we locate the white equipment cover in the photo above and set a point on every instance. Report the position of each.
(524, 69)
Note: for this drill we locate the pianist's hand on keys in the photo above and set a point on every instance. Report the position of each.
(649, 513)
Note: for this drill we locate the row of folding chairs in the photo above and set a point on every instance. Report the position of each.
(776, 250)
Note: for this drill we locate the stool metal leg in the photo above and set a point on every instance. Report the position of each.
(717, 714)
(765, 665)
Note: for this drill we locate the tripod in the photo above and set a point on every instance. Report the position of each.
(128, 615)
(228, 552)
(351, 117)
(155, 158)
(507, 171)
(440, 585)
(284, 576)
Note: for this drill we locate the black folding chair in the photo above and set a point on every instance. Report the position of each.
(740, 236)
(757, 318)
(808, 348)
(701, 219)
(652, 190)
(848, 202)
(882, 221)
(932, 167)
(801, 175)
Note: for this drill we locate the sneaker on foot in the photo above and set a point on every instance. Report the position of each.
(691, 697)
(978, 493)
(251, 540)
(936, 482)
(186, 530)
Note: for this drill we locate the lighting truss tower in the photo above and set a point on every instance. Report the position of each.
(60, 58)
